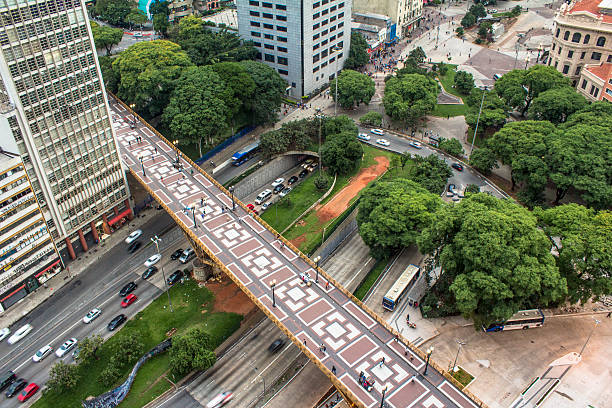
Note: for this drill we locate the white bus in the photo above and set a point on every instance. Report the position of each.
(523, 319)
(400, 287)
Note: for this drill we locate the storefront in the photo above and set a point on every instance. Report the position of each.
(28, 285)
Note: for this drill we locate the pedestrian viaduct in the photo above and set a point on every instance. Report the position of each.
(335, 330)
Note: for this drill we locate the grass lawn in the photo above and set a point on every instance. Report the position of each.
(370, 278)
(448, 80)
(192, 306)
(449, 110)
(462, 376)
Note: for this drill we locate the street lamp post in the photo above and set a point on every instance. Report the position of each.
(429, 351)
(320, 115)
(193, 212)
(336, 49)
(589, 338)
(539, 51)
(156, 240)
(273, 285)
(382, 400)
(175, 143)
(317, 259)
(133, 107)
(461, 343)
(142, 166)
(526, 61)
(478, 119)
(231, 190)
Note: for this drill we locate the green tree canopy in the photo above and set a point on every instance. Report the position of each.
(451, 146)
(418, 54)
(393, 213)
(358, 53)
(63, 377)
(494, 110)
(161, 24)
(147, 73)
(190, 351)
(495, 260)
(354, 88)
(341, 152)
(239, 87)
(136, 17)
(88, 348)
(478, 10)
(464, 82)
(372, 118)
(555, 105)
(431, 172)
(114, 12)
(468, 20)
(483, 160)
(294, 135)
(269, 90)
(408, 98)
(105, 37)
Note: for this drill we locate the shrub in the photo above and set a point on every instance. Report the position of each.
(371, 118)
(63, 377)
(321, 182)
(110, 374)
(460, 31)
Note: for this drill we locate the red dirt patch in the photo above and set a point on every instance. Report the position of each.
(229, 297)
(341, 200)
(299, 240)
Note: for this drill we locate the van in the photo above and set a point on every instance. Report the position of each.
(187, 256)
(7, 379)
(263, 196)
(496, 77)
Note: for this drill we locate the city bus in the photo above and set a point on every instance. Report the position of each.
(523, 319)
(400, 287)
(245, 154)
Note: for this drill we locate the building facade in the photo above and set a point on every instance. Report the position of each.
(58, 116)
(406, 14)
(582, 36)
(595, 82)
(306, 41)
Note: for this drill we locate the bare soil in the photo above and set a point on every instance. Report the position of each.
(229, 297)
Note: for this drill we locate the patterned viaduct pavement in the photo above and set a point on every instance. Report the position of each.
(316, 315)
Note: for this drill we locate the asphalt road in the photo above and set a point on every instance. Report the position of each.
(60, 317)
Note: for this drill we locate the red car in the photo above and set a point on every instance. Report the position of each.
(28, 392)
(250, 206)
(129, 299)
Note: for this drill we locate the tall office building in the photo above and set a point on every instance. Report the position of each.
(405, 14)
(59, 117)
(306, 41)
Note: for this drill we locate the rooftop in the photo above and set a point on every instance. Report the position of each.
(599, 8)
(603, 71)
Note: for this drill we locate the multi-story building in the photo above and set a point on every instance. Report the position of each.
(406, 14)
(595, 82)
(181, 8)
(306, 41)
(59, 118)
(582, 35)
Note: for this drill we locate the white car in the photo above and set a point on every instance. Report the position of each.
(92, 315)
(20, 334)
(66, 347)
(416, 145)
(133, 236)
(220, 400)
(152, 260)
(265, 206)
(42, 353)
(363, 136)
(378, 132)
(383, 142)
(278, 182)
(285, 191)
(4, 333)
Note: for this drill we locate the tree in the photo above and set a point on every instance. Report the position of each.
(418, 54)
(136, 17)
(483, 160)
(494, 111)
(127, 349)
(341, 152)
(472, 189)
(147, 74)
(408, 98)
(353, 88)
(106, 37)
(516, 11)
(460, 31)
(478, 10)
(495, 260)
(63, 377)
(371, 118)
(581, 239)
(468, 20)
(161, 24)
(411, 66)
(358, 52)
(556, 105)
(485, 30)
(393, 213)
(113, 11)
(88, 348)
(197, 112)
(191, 351)
(273, 143)
(431, 172)
(451, 146)
(239, 86)
(464, 82)
(111, 79)
(294, 135)
(269, 89)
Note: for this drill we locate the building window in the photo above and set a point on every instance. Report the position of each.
(582, 54)
(340, 5)
(255, 34)
(556, 63)
(565, 69)
(281, 18)
(258, 56)
(553, 47)
(269, 57)
(341, 15)
(324, 22)
(281, 7)
(609, 58)
(316, 15)
(283, 72)
(570, 54)
(293, 84)
(566, 35)
(268, 26)
(596, 56)
(281, 49)
(253, 3)
(254, 13)
(596, 92)
(268, 46)
(315, 58)
(578, 70)
(323, 53)
(314, 27)
(266, 5)
(601, 41)
(268, 36)
(559, 50)
(314, 37)
(324, 42)
(282, 60)
(255, 24)
(584, 84)
(576, 37)
(267, 15)
(341, 24)
(324, 32)
(315, 47)
(587, 38)
(281, 28)
(323, 2)
(324, 12)
(315, 5)
(281, 39)
(558, 31)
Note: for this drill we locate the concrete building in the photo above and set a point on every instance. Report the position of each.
(181, 8)
(305, 41)
(582, 35)
(406, 14)
(595, 82)
(378, 30)
(56, 111)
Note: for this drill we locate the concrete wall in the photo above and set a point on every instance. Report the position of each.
(384, 7)
(260, 179)
(339, 235)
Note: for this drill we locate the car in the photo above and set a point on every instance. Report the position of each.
(4, 333)
(278, 188)
(292, 180)
(153, 260)
(450, 190)
(303, 173)
(176, 254)
(133, 236)
(383, 142)
(276, 345)
(151, 270)
(66, 347)
(250, 206)
(307, 163)
(42, 353)
(265, 206)
(457, 166)
(28, 391)
(18, 385)
(128, 288)
(492, 11)
(175, 277)
(220, 400)
(129, 299)
(378, 132)
(285, 191)
(363, 136)
(134, 246)
(116, 322)
(20, 334)
(278, 181)
(312, 167)
(187, 255)
(92, 315)
(416, 145)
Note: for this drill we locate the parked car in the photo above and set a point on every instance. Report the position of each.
(92, 315)
(17, 385)
(363, 136)
(20, 334)
(66, 347)
(303, 173)
(129, 288)
(265, 206)
(457, 166)
(276, 345)
(416, 145)
(4, 333)
(7, 379)
(263, 196)
(151, 270)
(153, 260)
(133, 236)
(292, 179)
(383, 142)
(116, 322)
(278, 188)
(285, 191)
(450, 190)
(220, 400)
(129, 299)
(174, 278)
(187, 256)
(134, 246)
(176, 254)
(28, 391)
(42, 353)
(250, 206)
(278, 181)
(378, 132)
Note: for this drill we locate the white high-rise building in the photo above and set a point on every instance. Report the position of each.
(58, 116)
(306, 41)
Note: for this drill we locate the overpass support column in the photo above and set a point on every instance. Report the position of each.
(203, 266)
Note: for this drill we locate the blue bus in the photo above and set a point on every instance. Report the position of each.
(523, 319)
(400, 287)
(241, 156)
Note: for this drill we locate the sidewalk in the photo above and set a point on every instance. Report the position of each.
(74, 269)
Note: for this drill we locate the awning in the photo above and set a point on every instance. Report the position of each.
(119, 216)
(47, 268)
